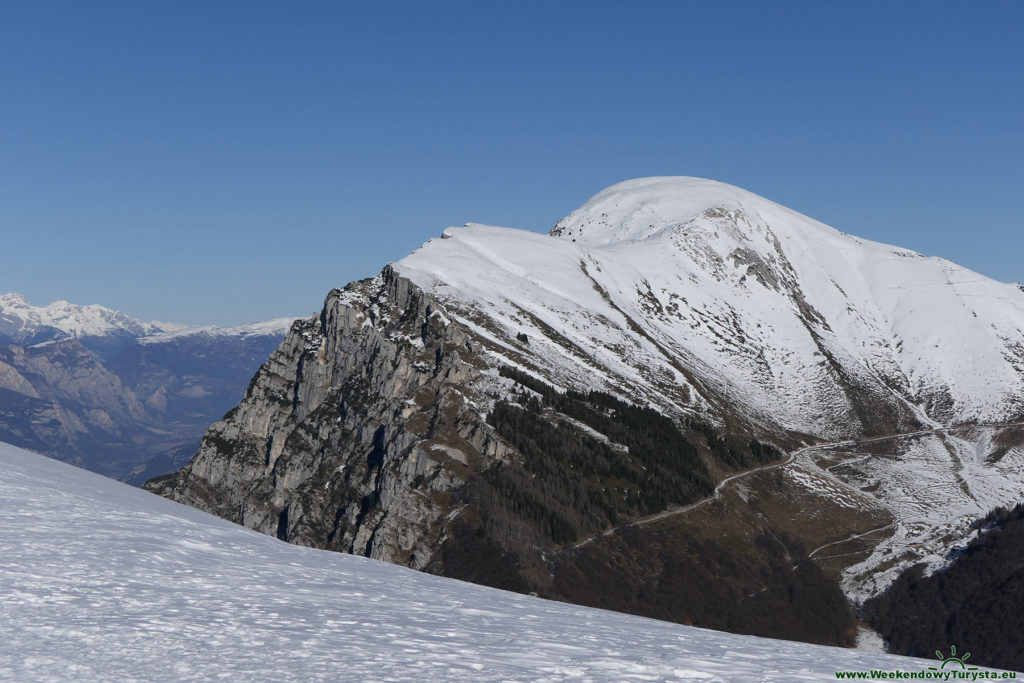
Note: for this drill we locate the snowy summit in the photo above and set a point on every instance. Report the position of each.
(781, 312)
(21, 322)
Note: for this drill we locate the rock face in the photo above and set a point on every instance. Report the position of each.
(353, 435)
(368, 432)
(483, 410)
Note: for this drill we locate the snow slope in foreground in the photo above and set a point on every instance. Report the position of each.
(100, 581)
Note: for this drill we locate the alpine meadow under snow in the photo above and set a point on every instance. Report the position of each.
(100, 581)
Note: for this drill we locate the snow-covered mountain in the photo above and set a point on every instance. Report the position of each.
(438, 415)
(270, 328)
(99, 581)
(113, 393)
(23, 323)
(687, 291)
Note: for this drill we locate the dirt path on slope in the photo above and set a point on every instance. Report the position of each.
(658, 516)
(692, 506)
(811, 554)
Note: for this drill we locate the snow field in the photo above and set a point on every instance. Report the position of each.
(100, 581)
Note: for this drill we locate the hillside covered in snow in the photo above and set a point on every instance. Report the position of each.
(99, 581)
(690, 292)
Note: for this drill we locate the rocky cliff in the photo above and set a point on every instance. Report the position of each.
(355, 432)
(372, 430)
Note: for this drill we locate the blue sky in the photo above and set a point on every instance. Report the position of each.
(226, 162)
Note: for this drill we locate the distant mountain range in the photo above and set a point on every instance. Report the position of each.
(119, 396)
(25, 324)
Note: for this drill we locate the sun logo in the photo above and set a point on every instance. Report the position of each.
(953, 659)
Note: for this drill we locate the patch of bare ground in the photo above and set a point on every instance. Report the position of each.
(1003, 442)
(723, 565)
(812, 518)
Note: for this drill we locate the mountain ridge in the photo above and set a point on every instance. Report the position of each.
(21, 322)
(735, 265)
(26, 324)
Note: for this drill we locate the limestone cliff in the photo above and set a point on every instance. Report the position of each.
(354, 433)
(385, 428)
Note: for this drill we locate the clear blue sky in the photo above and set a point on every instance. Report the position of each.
(225, 162)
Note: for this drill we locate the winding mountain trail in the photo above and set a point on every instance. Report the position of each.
(844, 540)
(692, 506)
(788, 461)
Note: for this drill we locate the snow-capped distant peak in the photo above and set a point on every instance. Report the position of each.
(277, 326)
(169, 327)
(21, 321)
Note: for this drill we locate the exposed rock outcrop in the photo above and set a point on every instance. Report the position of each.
(354, 433)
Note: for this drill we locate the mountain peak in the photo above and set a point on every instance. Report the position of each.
(13, 299)
(646, 208)
(23, 322)
(276, 327)
(758, 295)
